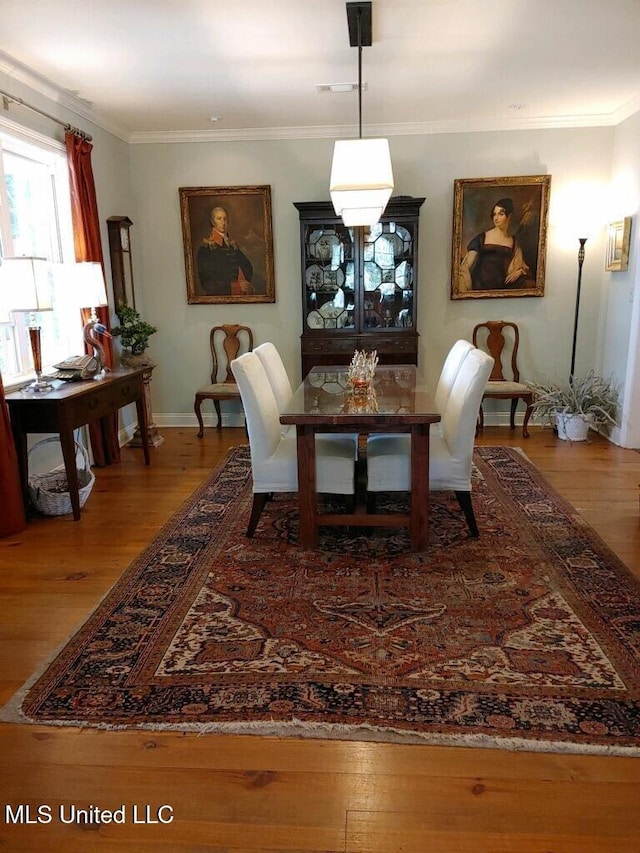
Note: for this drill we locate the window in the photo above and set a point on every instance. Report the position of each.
(35, 220)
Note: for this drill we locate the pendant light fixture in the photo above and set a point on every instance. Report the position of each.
(361, 173)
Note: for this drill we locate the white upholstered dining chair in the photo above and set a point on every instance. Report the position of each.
(456, 355)
(276, 373)
(274, 457)
(450, 450)
(282, 390)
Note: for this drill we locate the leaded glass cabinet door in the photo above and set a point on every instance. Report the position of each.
(388, 276)
(359, 285)
(328, 287)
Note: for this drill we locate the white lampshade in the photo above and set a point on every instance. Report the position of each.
(26, 284)
(89, 289)
(361, 180)
(80, 285)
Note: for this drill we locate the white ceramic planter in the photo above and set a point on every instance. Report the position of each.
(572, 427)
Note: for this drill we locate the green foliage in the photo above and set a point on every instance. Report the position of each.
(133, 331)
(591, 396)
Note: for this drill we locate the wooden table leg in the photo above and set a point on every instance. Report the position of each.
(20, 441)
(69, 455)
(143, 425)
(419, 525)
(106, 424)
(307, 495)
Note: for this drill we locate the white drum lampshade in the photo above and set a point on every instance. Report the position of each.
(361, 180)
(28, 281)
(88, 285)
(27, 284)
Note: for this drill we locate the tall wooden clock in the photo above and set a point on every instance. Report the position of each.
(121, 263)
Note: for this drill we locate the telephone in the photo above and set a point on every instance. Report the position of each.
(78, 367)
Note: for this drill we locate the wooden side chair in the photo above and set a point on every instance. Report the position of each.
(226, 342)
(491, 336)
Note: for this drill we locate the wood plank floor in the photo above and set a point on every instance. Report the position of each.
(241, 794)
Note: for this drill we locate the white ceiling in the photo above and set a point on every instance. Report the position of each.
(148, 69)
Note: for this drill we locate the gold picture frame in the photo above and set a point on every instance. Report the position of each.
(228, 244)
(618, 242)
(503, 256)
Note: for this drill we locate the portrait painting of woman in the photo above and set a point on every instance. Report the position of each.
(499, 237)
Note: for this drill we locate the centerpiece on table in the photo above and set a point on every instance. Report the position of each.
(362, 370)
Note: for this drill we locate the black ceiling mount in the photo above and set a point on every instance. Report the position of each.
(363, 12)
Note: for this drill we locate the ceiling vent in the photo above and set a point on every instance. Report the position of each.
(334, 88)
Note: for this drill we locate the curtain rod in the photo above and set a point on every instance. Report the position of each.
(69, 128)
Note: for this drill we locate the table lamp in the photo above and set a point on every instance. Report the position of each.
(89, 291)
(27, 281)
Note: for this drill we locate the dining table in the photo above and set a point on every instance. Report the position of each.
(396, 401)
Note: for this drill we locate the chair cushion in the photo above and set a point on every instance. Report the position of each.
(499, 387)
(219, 389)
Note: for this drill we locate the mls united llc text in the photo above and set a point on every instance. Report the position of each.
(25, 813)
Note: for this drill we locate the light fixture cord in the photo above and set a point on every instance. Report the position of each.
(359, 76)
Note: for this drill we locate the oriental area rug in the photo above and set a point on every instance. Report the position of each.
(525, 638)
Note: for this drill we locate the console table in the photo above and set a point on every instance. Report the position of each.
(69, 406)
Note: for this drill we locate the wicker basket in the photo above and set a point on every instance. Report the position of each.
(50, 494)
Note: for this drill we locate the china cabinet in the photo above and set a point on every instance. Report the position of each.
(359, 284)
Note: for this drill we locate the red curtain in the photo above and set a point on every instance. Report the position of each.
(88, 247)
(12, 517)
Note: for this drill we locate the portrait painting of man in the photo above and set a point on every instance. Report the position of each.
(228, 244)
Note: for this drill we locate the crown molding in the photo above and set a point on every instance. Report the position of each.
(25, 76)
(262, 134)
(627, 110)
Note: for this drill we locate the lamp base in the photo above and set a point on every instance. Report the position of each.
(40, 386)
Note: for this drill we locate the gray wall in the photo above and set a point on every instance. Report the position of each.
(423, 165)
(142, 181)
(620, 311)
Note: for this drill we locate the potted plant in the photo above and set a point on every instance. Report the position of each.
(583, 402)
(134, 333)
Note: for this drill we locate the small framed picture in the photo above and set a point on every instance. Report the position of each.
(499, 236)
(618, 241)
(228, 244)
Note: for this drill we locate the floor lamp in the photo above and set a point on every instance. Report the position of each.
(582, 241)
(28, 283)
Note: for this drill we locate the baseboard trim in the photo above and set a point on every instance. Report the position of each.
(185, 419)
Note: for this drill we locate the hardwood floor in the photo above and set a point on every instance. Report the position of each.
(242, 794)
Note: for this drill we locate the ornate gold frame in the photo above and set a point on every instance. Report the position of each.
(249, 212)
(473, 203)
